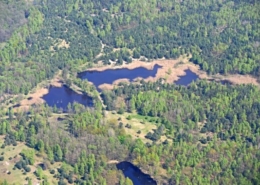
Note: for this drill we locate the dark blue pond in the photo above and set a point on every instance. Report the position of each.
(110, 75)
(62, 96)
(187, 78)
(135, 174)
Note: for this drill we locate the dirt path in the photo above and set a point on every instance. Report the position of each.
(101, 51)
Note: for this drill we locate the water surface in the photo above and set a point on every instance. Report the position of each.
(62, 96)
(108, 76)
(135, 174)
(188, 78)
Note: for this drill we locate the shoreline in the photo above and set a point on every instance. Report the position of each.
(171, 70)
(35, 97)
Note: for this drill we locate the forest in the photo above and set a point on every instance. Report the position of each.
(205, 133)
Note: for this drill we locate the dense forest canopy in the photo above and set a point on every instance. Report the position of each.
(222, 36)
(13, 15)
(206, 133)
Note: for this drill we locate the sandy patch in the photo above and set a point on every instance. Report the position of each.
(111, 86)
(60, 43)
(63, 44)
(36, 96)
(113, 162)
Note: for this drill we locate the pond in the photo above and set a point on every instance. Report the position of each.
(135, 174)
(110, 75)
(62, 96)
(188, 78)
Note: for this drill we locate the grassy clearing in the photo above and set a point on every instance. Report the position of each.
(11, 156)
(137, 122)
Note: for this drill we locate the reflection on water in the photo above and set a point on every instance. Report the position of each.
(62, 96)
(135, 174)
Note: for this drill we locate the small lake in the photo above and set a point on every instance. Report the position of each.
(110, 75)
(188, 78)
(62, 96)
(135, 174)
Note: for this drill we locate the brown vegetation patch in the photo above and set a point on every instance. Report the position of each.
(238, 79)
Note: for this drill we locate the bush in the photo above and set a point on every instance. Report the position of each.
(18, 165)
(121, 111)
(70, 180)
(203, 130)
(27, 168)
(120, 125)
(2, 158)
(203, 141)
(128, 125)
(129, 117)
(52, 171)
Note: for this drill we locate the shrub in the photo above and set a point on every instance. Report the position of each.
(120, 125)
(27, 168)
(129, 117)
